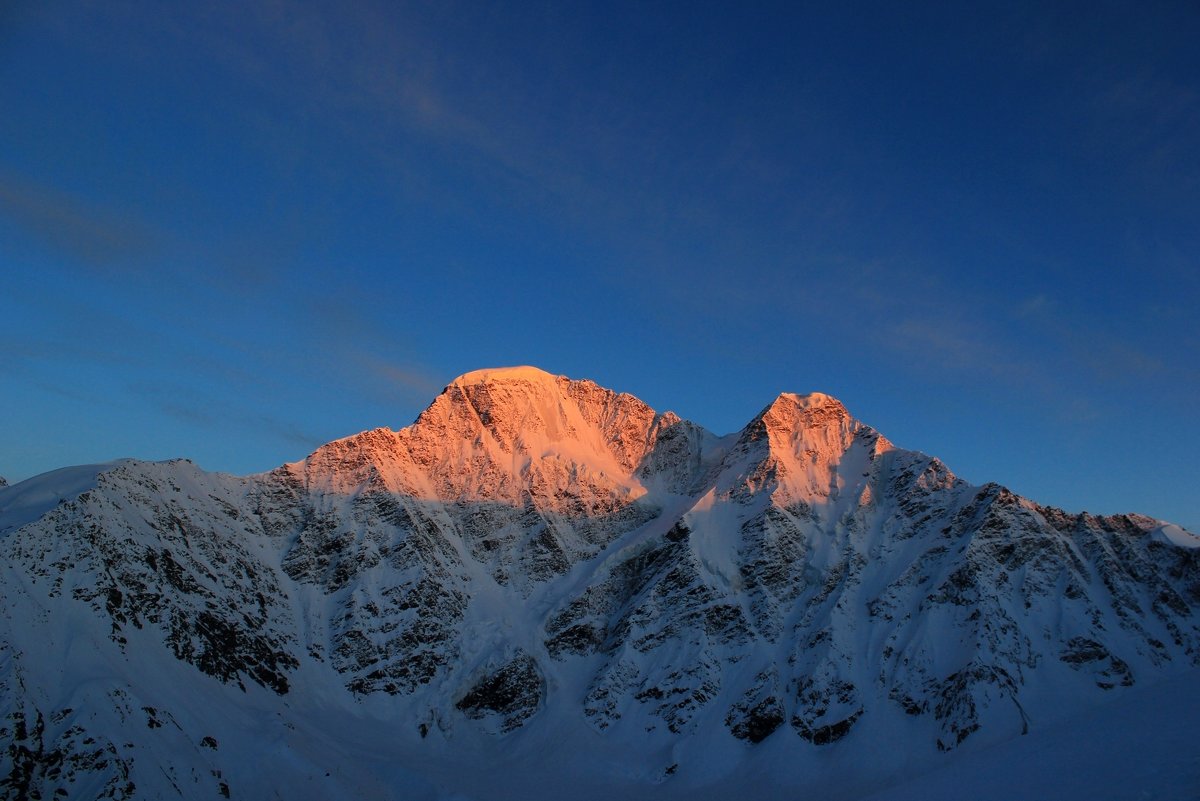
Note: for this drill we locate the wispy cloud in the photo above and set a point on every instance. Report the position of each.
(1147, 124)
(96, 238)
(1115, 360)
(407, 379)
(1034, 305)
(362, 61)
(1094, 348)
(204, 411)
(951, 345)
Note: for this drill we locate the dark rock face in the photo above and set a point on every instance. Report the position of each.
(392, 636)
(45, 757)
(512, 693)
(1109, 671)
(225, 650)
(759, 712)
(826, 708)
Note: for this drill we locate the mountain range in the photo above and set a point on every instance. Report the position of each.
(544, 588)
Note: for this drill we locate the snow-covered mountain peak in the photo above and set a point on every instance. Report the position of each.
(526, 411)
(550, 583)
(515, 435)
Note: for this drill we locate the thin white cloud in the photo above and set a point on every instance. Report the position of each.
(1034, 305)
(99, 239)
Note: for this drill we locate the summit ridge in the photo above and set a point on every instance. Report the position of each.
(519, 373)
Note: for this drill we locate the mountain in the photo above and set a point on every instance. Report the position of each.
(544, 588)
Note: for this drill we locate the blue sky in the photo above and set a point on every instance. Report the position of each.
(235, 231)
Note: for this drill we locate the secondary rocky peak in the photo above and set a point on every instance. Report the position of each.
(815, 419)
(815, 409)
(807, 448)
(811, 400)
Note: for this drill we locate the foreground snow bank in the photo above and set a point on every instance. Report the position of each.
(1142, 746)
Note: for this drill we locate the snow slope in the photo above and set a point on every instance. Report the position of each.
(1141, 746)
(30, 500)
(544, 588)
